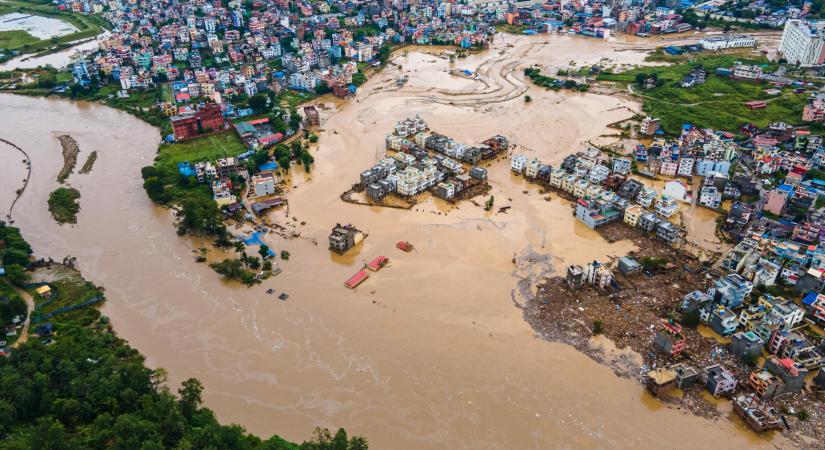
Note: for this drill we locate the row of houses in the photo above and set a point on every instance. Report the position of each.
(604, 196)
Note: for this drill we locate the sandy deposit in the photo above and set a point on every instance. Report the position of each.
(430, 352)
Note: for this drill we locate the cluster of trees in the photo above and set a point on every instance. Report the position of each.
(300, 153)
(63, 204)
(553, 83)
(239, 269)
(15, 254)
(11, 305)
(259, 103)
(256, 160)
(154, 185)
(89, 389)
(297, 151)
(641, 77)
(200, 215)
(235, 269)
(358, 78)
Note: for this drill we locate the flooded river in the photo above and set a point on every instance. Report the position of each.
(431, 352)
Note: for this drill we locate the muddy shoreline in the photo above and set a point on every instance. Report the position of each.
(70, 150)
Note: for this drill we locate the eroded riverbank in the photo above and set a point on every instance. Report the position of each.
(431, 354)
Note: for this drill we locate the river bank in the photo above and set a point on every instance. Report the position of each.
(431, 354)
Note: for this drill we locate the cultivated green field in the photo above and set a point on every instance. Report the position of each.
(719, 103)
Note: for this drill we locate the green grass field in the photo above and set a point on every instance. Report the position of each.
(16, 39)
(719, 103)
(512, 29)
(204, 148)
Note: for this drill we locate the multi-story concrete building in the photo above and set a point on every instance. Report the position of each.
(718, 380)
(732, 290)
(632, 214)
(803, 42)
(518, 163)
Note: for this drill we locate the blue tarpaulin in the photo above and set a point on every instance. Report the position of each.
(810, 298)
(255, 239)
(185, 169)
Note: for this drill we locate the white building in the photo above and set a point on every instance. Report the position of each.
(532, 169)
(518, 163)
(802, 42)
(649, 126)
(622, 165)
(646, 197)
(263, 184)
(413, 181)
(685, 167)
(250, 88)
(710, 197)
(726, 41)
(598, 173)
(557, 178)
(666, 207)
(747, 72)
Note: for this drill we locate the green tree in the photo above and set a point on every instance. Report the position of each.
(263, 250)
(156, 190)
(258, 103)
(294, 119)
(201, 216)
(15, 256)
(17, 275)
(13, 306)
(148, 172)
(190, 396)
(48, 435)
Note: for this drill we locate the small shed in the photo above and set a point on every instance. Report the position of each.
(44, 291)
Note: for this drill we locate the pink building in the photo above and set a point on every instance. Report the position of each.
(776, 199)
(815, 112)
(669, 168)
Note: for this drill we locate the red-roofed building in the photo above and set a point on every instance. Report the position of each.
(378, 263)
(207, 119)
(357, 279)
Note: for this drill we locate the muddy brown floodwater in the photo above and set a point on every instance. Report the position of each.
(430, 353)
